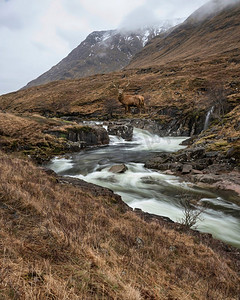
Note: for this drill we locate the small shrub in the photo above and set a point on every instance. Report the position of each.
(191, 215)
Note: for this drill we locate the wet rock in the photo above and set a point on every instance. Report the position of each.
(118, 169)
(124, 131)
(186, 169)
(188, 142)
(169, 172)
(103, 161)
(206, 178)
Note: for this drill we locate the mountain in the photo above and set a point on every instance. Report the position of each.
(213, 30)
(103, 52)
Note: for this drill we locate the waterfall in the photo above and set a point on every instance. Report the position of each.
(209, 113)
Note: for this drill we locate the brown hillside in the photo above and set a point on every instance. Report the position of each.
(197, 38)
(61, 241)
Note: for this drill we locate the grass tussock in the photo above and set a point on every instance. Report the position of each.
(60, 241)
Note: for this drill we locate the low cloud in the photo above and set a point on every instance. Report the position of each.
(38, 34)
(211, 7)
(152, 12)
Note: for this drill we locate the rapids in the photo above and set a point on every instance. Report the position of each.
(151, 190)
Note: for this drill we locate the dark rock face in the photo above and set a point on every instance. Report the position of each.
(90, 136)
(118, 169)
(124, 130)
(82, 137)
(178, 126)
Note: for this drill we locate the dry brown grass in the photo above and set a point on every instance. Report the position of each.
(27, 134)
(60, 241)
(30, 135)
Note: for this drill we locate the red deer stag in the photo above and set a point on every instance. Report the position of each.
(129, 100)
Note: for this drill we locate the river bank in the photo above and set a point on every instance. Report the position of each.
(207, 239)
(152, 191)
(64, 236)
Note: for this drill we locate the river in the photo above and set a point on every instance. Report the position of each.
(151, 190)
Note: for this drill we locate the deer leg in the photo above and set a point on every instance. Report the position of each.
(139, 108)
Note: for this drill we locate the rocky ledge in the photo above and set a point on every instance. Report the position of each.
(205, 169)
(80, 137)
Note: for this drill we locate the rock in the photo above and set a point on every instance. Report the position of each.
(188, 141)
(140, 242)
(186, 169)
(197, 153)
(83, 136)
(195, 172)
(118, 169)
(103, 161)
(212, 154)
(233, 152)
(124, 131)
(168, 172)
(206, 178)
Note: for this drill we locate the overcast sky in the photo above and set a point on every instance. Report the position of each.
(37, 34)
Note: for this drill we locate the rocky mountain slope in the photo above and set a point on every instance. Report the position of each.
(103, 52)
(213, 30)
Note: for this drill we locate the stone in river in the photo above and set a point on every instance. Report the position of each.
(118, 169)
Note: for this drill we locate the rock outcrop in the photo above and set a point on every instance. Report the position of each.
(121, 129)
(209, 169)
(83, 136)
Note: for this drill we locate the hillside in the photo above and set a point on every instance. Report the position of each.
(78, 241)
(103, 52)
(208, 33)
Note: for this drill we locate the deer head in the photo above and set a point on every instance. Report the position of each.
(121, 88)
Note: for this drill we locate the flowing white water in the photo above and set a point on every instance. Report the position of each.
(150, 190)
(209, 113)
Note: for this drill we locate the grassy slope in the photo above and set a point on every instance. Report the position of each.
(185, 86)
(217, 35)
(29, 134)
(59, 241)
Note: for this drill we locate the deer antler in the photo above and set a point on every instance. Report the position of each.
(114, 85)
(127, 84)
